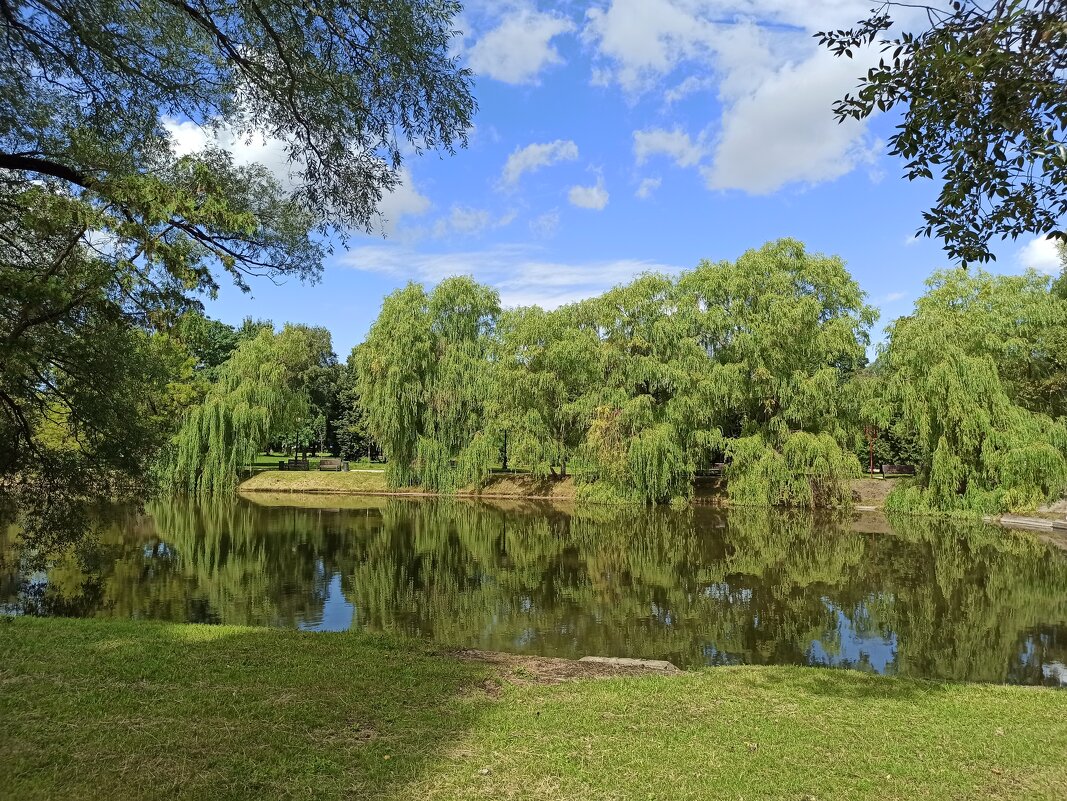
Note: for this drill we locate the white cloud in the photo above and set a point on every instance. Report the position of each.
(689, 86)
(642, 40)
(1042, 254)
(186, 136)
(545, 225)
(637, 42)
(404, 201)
(534, 157)
(914, 239)
(253, 148)
(469, 221)
(520, 47)
(518, 272)
(892, 297)
(776, 86)
(647, 187)
(589, 197)
(674, 144)
(783, 131)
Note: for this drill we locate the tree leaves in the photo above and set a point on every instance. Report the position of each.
(983, 90)
(638, 388)
(976, 373)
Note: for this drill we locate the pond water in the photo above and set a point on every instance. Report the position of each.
(698, 587)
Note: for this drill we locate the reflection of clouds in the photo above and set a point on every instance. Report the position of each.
(698, 588)
(1055, 670)
(337, 613)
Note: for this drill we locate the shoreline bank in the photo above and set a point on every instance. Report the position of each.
(369, 482)
(563, 493)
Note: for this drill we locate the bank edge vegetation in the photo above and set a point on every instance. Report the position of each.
(759, 363)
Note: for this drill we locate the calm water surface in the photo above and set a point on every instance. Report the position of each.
(699, 587)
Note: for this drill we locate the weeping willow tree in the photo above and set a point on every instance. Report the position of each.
(261, 394)
(544, 367)
(783, 331)
(642, 434)
(969, 371)
(423, 379)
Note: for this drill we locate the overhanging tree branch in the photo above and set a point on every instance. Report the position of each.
(43, 166)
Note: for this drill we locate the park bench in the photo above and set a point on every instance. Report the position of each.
(294, 464)
(898, 470)
(330, 464)
(713, 471)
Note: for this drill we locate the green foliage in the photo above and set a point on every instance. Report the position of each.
(312, 80)
(657, 466)
(809, 470)
(422, 379)
(262, 394)
(969, 371)
(637, 388)
(350, 427)
(644, 415)
(111, 238)
(1059, 286)
(783, 331)
(982, 88)
(544, 366)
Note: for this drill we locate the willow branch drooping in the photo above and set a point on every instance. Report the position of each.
(959, 368)
(760, 363)
(785, 331)
(260, 394)
(423, 378)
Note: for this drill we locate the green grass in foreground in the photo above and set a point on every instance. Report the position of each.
(95, 709)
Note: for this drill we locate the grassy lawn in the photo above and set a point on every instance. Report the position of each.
(95, 709)
(370, 479)
(365, 480)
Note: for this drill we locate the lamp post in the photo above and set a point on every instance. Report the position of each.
(871, 433)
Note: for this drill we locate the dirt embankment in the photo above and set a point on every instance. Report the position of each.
(870, 493)
(526, 669)
(372, 482)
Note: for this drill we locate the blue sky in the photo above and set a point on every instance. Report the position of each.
(621, 136)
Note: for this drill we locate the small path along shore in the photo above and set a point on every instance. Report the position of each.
(372, 482)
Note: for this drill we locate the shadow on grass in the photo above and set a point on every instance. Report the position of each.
(850, 685)
(134, 710)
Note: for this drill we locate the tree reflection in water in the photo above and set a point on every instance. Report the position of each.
(700, 586)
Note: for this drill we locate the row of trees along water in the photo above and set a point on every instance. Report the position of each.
(761, 363)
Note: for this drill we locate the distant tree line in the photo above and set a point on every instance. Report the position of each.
(758, 367)
(760, 363)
